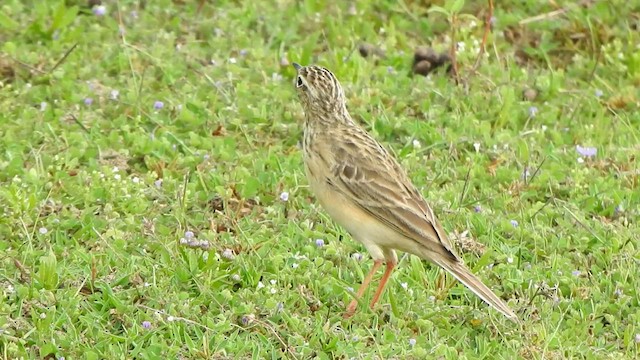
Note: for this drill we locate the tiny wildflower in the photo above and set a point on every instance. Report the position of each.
(43, 230)
(88, 101)
(575, 273)
(284, 196)
(580, 160)
(204, 245)
(189, 234)
(404, 285)
(146, 324)
(273, 282)
(295, 265)
(356, 256)
(586, 151)
(99, 10)
(247, 319)
(233, 60)
(477, 208)
(416, 144)
(525, 174)
(243, 52)
(158, 183)
(618, 292)
(184, 241)
(114, 94)
(193, 243)
(412, 342)
(284, 61)
(476, 146)
(279, 307)
(273, 290)
(171, 319)
(319, 242)
(260, 285)
(236, 278)
(533, 111)
(390, 70)
(43, 316)
(510, 260)
(117, 176)
(228, 254)
(637, 339)
(158, 105)
(43, 106)
(598, 93)
(514, 223)
(135, 180)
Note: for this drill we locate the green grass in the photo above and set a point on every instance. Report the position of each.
(91, 260)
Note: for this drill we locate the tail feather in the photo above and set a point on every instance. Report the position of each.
(464, 275)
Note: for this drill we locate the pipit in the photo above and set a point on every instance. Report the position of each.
(366, 191)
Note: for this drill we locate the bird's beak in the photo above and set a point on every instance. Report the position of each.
(296, 66)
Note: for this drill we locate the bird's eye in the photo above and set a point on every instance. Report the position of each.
(299, 82)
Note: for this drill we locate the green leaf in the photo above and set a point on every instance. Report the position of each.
(456, 6)
(440, 10)
(7, 23)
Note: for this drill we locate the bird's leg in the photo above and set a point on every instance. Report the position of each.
(365, 283)
(383, 282)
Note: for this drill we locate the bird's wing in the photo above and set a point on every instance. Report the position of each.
(366, 173)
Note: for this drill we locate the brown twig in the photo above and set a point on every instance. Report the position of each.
(485, 36)
(64, 57)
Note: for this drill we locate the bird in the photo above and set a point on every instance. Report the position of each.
(364, 189)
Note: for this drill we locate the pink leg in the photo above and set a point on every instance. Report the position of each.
(383, 282)
(367, 279)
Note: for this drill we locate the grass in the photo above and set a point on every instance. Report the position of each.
(100, 181)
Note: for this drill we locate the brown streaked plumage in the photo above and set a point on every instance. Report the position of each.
(364, 189)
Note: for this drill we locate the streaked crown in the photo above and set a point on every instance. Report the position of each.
(318, 89)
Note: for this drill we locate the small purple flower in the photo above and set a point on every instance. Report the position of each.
(525, 174)
(284, 196)
(88, 101)
(598, 93)
(637, 339)
(247, 319)
(243, 52)
(319, 242)
(576, 273)
(586, 151)
(55, 35)
(618, 292)
(412, 342)
(390, 70)
(158, 183)
(189, 234)
(356, 256)
(158, 105)
(133, 14)
(533, 111)
(514, 223)
(194, 243)
(99, 10)
(279, 307)
(493, 20)
(477, 208)
(228, 254)
(146, 324)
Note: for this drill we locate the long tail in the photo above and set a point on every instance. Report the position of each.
(464, 275)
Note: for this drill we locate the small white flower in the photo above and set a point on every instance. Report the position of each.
(260, 285)
(476, 146)
(416, 144)
(114, 94)
(295, 265)
(510, 260)
(43, 106)
(158, 183)
(43, 316)
(170, 319)
(580, 160)
(43, 230)
(146, 284)
(117, 176)
(135, 180)
(412, 342)
(233, 60)
(284, 196)
(404, 285)
(273, 291)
